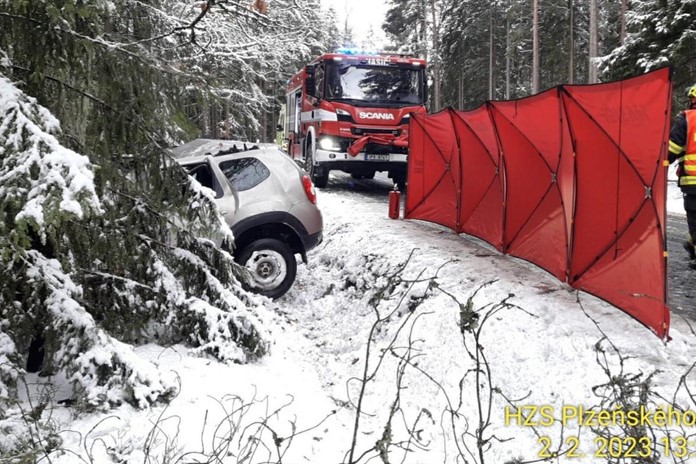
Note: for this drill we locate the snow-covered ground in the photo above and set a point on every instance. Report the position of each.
(541, 351)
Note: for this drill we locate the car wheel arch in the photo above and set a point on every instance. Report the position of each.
(275, 230)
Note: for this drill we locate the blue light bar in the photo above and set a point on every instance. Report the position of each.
(356, 51)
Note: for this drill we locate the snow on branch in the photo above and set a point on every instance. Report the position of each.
(38, 173)
(89, 271)
(104, 370)
(8, 374)
(212, 328)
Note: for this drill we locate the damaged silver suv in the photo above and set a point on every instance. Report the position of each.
(268, 202)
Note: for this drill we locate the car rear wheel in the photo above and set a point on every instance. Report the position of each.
(272, 266)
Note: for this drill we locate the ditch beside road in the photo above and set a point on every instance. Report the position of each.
(681, 285)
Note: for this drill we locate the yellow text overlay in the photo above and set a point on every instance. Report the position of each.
(569, 415)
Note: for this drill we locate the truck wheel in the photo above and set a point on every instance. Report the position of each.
(272, 266)
(400, 179)
(363, 175)
(318, 174)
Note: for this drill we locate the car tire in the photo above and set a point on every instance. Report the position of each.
(320, 177)
(272, 265)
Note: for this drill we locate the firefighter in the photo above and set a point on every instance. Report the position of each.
(682, 149)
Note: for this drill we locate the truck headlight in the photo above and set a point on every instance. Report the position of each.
(343, 115)
(329, 143)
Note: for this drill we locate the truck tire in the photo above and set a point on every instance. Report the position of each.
(272, 266)
(400, 180)
(363, 175)
(319, 175)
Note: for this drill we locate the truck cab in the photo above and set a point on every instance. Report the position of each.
(351, 112)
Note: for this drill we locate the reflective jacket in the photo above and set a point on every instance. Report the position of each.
(682, 149)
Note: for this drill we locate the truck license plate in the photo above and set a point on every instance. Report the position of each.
(369, 157)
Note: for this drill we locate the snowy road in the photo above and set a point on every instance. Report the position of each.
(682, 291)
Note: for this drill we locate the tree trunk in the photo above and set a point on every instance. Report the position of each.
(535, 49)
(594, 42)
(491, 77)
(507, 56)
(424, 29)
(436, 60)
(460, 100)
(264, 116)
(624, 12)
(571, 43)
(226, 122)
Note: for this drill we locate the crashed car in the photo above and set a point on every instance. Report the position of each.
(267, 200)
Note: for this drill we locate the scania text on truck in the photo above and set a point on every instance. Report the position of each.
(350, 112)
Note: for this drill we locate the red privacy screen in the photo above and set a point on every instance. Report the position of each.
(572, 179)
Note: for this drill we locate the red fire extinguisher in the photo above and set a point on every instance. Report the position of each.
(394, 202)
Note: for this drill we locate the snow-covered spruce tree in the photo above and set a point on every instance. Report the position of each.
(659, 33)
(93, 262)
(175, 67)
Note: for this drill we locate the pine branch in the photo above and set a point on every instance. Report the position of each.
(68, 86)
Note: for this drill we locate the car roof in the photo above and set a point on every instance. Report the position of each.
(198, 149)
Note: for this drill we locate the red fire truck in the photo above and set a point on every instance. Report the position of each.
(349, 111)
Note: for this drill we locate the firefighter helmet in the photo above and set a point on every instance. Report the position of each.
(691, 93)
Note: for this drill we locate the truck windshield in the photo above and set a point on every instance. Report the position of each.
(374, 84)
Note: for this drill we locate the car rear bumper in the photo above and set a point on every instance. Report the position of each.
(311, 241)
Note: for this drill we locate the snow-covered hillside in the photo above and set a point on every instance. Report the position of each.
(544, 346)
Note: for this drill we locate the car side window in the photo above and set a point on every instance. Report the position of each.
(245, 173)
(204, 175)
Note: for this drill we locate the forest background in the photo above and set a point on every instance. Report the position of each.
(176, 70)
(93, 92)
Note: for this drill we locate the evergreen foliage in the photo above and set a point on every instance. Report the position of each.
(127, 79)
(120, 247)
(88, 266)
(466, 52)
(467, 28)
(120, 74)
(404, 25)
(105, 243)
(660, 33)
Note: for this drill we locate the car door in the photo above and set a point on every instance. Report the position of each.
(226, 196)
(256, 187)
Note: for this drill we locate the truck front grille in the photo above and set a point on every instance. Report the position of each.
(377, 149)
(368, 131)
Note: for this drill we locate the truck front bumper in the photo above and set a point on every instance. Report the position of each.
(332, 158)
